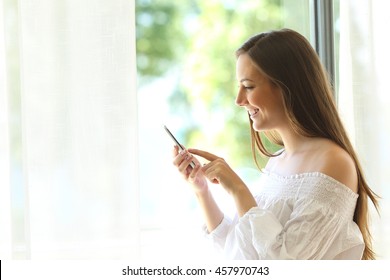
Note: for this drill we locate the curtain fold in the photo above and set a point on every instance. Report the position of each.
(79, 129)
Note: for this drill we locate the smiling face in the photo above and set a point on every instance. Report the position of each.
(259, 96)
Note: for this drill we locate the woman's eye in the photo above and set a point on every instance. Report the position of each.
(247, 88)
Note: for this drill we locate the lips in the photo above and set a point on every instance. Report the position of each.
(252, 113)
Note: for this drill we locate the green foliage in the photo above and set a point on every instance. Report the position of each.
(200, 38)
(161, 40)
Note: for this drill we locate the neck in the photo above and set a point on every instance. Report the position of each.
(293, 142)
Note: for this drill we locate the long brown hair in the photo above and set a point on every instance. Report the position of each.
(290, 62)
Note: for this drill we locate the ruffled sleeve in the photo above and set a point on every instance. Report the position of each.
(218, 236)
(313, 234)
(317, 225)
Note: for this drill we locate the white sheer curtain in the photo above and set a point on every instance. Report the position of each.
(79, 132)
(5, 207)
(364, 98)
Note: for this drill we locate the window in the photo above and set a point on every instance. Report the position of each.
(188, 83)
(194, 95)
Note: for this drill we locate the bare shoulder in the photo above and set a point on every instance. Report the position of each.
(338, 164)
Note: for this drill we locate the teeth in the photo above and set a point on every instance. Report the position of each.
(252, 112)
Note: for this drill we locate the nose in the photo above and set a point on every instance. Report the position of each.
(241, 98)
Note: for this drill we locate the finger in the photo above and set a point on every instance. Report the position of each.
(204, 154)
(194, 173)
(179, 158)
(184, 166)
(175, 150)
(211, 175)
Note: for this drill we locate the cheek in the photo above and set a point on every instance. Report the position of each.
(279, 102)
(257, 99)
(275, 98)
(263, 100)
(267, 97)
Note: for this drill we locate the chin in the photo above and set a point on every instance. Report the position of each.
(257, 127)
(260, 126)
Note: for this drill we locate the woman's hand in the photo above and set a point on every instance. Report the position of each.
(218, 171)
(194, 176)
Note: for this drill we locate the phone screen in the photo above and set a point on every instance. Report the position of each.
(192, 164)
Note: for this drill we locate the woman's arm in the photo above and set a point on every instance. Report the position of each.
(211, 212)
(213, 216)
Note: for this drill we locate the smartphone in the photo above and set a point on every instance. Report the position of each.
(192, 164)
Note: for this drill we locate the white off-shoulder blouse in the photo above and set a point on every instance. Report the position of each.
(304, 216)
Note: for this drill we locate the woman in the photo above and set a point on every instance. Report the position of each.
(313, 197)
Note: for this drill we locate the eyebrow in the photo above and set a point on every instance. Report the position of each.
(245, 79)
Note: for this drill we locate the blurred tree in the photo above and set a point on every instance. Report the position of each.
(161, 40)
